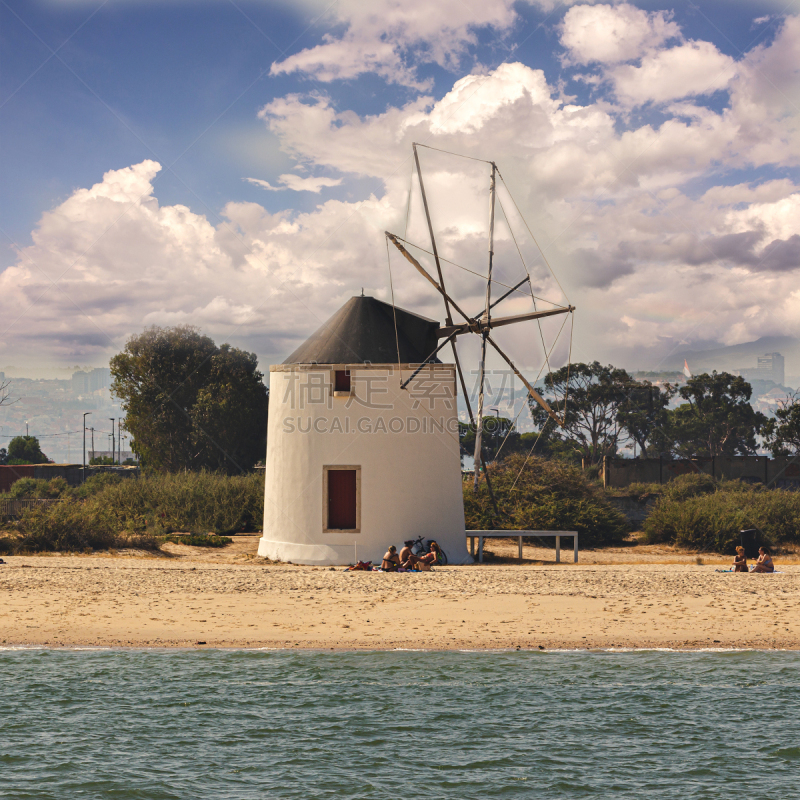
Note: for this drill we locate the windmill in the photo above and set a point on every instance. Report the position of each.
(482, 323)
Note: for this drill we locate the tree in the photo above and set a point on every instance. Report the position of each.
(5, 396)
(782, 433)
(3, 456)
(26, 450)
(495, 430)
(596, 393)
(643, 414)
(716, 419)
(190, 404)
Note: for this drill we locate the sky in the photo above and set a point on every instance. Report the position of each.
(233, 165)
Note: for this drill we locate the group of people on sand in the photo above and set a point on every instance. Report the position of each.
(406, 560)
(764, 563)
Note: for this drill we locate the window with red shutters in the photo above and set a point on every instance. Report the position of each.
(342, 499)
(342, 381)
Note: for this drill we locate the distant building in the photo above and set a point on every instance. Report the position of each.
(125, 455)
(770, 368)
(87, 382)
(100, 378)
(80, 382)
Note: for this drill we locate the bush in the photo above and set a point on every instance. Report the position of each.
(73, 527)
(549, 495)
(198, 502)
(110, 511)
(691, 485)
(28, 488)
(712, 521)
(95, 484)
(201, 540)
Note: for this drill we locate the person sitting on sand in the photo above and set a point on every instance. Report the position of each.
(764, 563)
(391, 561)
(434, 556)
(407, 558)
(740, 562)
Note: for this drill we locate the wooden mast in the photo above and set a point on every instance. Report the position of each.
(485, 320)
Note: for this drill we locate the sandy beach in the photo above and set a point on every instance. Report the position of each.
(625, 597)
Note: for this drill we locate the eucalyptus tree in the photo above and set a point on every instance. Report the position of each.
(190, 404)
(716, 418)
(590, 414)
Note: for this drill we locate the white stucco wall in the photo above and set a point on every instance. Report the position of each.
(404, 441)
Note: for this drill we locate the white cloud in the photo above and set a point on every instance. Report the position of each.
(647, 263)
(296, 183)
(612, 34)
(693, 68)
(467, 107)
(386, 36)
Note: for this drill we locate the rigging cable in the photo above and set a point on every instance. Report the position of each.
(533, 297)
(558, 336)
(457, 155)
(408, 204)
(544, 257)
(530, 453)
(394, 310)
(472, 272)
(527, 272)
(569, 364)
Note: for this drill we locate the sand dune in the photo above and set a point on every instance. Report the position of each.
(634, 597)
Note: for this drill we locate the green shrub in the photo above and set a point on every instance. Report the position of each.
(201, 540)
(691, 485)
(95, 484)
(198, 502)
(549, 495)
(29, 488)
(73, 527)
(109, 511)
(712, 522)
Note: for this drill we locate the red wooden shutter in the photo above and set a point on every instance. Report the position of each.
(341, 499)
(342, 381)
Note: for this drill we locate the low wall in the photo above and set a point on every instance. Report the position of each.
(780, 473)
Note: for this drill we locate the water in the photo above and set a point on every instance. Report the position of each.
(276, 724)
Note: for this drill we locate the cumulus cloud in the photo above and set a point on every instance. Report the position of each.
(630, 48)
(647, 262)
(609, 34)
(110, 260)
(296, 183)
(693, 68)
(386, 36)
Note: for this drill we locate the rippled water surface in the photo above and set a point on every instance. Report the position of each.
(276, 724)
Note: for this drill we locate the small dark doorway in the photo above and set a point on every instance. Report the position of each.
(342, 381)
(342, 499)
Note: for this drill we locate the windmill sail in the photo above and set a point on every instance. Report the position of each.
(484, 322)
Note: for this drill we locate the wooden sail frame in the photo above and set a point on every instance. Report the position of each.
(479, 324)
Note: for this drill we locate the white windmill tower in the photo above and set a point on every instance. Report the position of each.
(363, 438)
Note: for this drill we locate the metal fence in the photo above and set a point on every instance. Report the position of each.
(13, 508)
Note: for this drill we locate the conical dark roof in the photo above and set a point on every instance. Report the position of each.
(363, 330)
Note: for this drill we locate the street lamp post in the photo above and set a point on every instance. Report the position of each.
(113, 441)
(84, 445)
